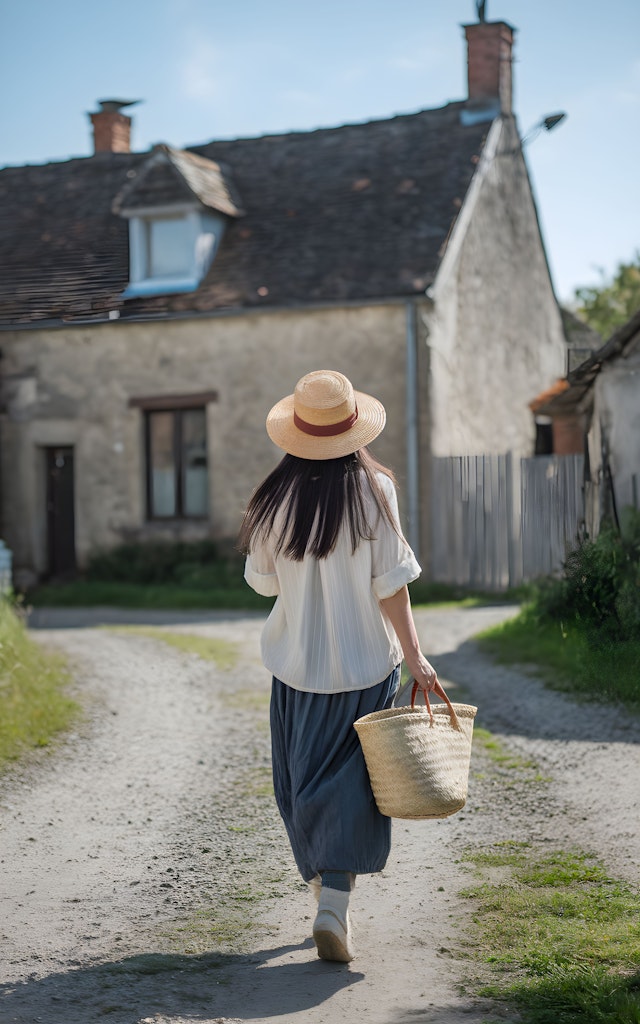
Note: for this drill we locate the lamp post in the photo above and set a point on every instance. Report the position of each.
(545, 124)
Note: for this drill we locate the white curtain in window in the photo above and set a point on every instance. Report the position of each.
(163, 473)
(171, 247)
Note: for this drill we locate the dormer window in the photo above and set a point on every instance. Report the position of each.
(171, 249)
(177, 205)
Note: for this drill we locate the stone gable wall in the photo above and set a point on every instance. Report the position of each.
(495, 334)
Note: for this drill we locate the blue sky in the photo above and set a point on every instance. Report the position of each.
(209, 69)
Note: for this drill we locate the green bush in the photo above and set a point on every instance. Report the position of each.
(195, 565)
(600, 587)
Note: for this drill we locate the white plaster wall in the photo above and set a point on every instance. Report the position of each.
(495, 333)
(616, 411)
(72, 386)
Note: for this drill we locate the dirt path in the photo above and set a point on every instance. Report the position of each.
(118, 853)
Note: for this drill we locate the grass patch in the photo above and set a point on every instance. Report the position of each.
(34, 705)
(230, 924)
(231, 595)
(497, 752)
(223, 927)
(257, 782)
(446, 595)
(560, 939)
(248, 700)
(86, 593)
(565, 659)
(509, 768)
(223, 653)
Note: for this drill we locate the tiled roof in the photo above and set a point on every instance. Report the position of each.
(541, 402)
(359, 212)
(576, 386)
(64, 254)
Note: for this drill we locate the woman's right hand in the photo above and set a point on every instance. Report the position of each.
(423, 672)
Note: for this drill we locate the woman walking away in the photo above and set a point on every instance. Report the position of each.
(322, 533)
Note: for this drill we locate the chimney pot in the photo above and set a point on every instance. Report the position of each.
(489, 49)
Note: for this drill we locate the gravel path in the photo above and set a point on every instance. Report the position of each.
(152, 829)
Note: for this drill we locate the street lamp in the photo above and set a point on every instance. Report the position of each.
(545, 124)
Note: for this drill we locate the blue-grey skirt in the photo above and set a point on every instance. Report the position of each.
(320, 778)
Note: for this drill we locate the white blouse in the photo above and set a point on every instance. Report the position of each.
(327, 632)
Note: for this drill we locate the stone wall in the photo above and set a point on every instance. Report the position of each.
(73, 386)
(494, 333)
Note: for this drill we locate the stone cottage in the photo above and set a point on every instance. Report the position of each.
(154, 305)
(595, 411)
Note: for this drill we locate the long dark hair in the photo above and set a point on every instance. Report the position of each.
(315, 496)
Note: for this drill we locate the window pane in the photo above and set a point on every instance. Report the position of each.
(162, 468)
(171, 250)
(194, 463)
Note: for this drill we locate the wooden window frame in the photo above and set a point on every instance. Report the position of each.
(176, 405)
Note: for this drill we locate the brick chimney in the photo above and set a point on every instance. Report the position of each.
(489, 48)
(112, 128)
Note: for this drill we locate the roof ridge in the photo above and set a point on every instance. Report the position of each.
(298, 132)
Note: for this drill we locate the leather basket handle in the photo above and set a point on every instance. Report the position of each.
(440, 691)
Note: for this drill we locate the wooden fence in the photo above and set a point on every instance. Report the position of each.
(498, 521)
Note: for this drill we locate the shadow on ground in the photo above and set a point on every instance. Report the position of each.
(214, 987)
(199, 987)
(512, 702)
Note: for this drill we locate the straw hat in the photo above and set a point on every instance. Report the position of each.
(325, 418)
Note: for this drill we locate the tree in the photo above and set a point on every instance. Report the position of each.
(607, 307)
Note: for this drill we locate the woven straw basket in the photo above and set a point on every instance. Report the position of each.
(418, 758)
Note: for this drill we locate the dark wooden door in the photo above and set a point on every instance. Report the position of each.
(60, 514)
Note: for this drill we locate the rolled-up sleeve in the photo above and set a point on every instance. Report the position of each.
(393, 562)
(260, 572)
